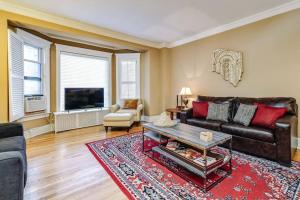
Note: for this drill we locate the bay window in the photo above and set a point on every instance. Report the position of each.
(82, 68)
(128, 76)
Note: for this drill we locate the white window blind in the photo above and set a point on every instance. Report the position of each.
(83, 71)
(16, 76)
(128, 76)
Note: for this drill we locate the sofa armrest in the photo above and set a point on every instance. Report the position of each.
(286, 133)
(186, 114)
(11, 175)
(114, 108)
(11, 130)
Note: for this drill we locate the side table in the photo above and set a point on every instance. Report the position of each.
(172, 111)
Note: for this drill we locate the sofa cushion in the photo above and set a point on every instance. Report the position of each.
(245, 114)
(256, 133)
(229, 100)
(16, 143)
(266, 116)
(132, 111)
(219, 112)
(200, 109)
(279, 102)
(203, 123)
(118, 117)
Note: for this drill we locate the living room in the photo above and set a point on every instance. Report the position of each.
(189, 100)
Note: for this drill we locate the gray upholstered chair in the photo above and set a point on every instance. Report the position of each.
(13, 161)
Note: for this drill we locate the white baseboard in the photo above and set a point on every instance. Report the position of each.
(38, 131)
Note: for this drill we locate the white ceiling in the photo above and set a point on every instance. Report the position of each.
(162, 21)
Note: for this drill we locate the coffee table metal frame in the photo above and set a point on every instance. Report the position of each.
(162, 135)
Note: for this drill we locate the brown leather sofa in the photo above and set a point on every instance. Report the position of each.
(279, 144)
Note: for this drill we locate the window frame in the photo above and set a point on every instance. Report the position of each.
(86, 52)
(45, 46)
(128, 57)
(42, 66)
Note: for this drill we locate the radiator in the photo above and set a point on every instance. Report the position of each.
(78, 119)
(35, 103)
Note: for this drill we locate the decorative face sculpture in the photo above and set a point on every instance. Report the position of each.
(228, 64)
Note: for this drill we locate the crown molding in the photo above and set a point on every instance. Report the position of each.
(15, 8)
(241, 22)
(30, 12)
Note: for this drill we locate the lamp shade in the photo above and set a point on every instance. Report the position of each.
(185, 91)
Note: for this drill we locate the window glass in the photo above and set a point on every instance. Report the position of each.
(31, 53)
(128, 76)
(32, 70)
(32, 87)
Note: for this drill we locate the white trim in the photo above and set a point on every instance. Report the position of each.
(119, 58)
(69, 49)
(30, 12)
(45, 46)
(34, 117)
(32, 39)
(38, 131)
(241, 22)
(16, 8)
(298, 146)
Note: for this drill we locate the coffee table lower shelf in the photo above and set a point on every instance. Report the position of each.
(199, 172)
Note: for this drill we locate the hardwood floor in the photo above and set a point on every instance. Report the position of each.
(61, 167)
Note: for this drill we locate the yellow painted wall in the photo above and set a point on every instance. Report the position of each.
(271, 52)
(152, 62)
(3, 70)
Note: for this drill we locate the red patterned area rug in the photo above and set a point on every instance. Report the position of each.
(140, 177)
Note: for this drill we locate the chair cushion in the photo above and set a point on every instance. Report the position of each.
(203, 123)
(218, 111)
(118, 117)
(256, 133)
(132, 111)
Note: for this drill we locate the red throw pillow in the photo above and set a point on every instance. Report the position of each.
(200, 109)
(266, 116)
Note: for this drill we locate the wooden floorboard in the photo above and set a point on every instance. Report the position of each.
(61, 167)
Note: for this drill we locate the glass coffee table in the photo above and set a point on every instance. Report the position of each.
(187, 138)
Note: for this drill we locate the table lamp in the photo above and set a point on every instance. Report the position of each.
(185, 92)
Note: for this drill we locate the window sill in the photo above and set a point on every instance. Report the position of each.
(34, 116)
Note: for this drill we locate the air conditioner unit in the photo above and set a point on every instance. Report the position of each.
(35, 103)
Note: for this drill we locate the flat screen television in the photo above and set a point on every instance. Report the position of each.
(84, 98)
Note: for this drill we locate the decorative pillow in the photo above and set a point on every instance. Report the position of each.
(218, 112)
(245, 114)
(130, 103)
(266, 116)
(200, 109)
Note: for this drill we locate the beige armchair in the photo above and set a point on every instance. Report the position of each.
(137, 113)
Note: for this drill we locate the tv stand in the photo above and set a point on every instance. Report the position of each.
(68, 120)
